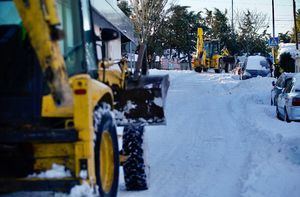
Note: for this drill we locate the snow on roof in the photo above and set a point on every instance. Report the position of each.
(256, 63)
(288, 48)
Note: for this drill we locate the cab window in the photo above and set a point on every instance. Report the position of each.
(8, 13)
(72, 45)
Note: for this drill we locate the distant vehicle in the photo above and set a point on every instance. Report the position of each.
(209, 55)
(279, 86)
(256, 66)
(288, 103)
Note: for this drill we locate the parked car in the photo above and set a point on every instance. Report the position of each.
(279, 86)
(288, 103)
(256, 66)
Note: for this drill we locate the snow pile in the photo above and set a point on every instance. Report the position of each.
(271, 176)
(274, 161)
(288, 48)
(83, 190)
(57, 171)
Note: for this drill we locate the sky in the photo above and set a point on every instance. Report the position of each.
(283, 10)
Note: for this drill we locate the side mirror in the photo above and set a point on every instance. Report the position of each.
(109, 34)
(273, 83)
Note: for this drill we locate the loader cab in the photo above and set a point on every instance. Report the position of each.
(22, 85)
(78, 46)
(212, 47)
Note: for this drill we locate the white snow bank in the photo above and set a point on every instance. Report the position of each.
(272, 177)
(274, 164)
(57, 171)
(288, 48)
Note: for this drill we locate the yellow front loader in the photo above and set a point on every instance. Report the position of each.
(56, 99)
(209, 55)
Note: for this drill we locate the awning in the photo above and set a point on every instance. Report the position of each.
(108, 15)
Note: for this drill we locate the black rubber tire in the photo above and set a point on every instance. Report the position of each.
(277, 113)
(217, 70)
(205, 69)
(226, 68)
(135, 169)
(106, 123)
(198, 69)
(286, 116)
(272, 102)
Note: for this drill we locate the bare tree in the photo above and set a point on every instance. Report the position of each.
(252, 31)
(259, 20)
(147, 17)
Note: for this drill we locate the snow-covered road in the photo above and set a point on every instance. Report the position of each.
(221, 139)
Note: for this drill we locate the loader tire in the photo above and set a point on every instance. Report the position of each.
(136, 172)
(106, 151)
(198, 69)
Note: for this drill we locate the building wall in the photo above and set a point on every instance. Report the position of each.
(114, 49)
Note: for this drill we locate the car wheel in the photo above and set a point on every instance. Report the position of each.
(106, 151)
(278, 114)
(272, 103)
(286, 116)
(136, 171)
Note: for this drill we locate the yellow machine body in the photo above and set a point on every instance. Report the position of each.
(113, 74)
(62, 125)
(71, 100)
(207, 55)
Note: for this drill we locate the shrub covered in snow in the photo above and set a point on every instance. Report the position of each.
(287, 54)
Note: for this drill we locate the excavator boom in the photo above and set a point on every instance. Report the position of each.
(36, 20)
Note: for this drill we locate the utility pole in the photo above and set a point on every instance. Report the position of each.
(232, 27)
(295, 24)
(273, 22)
(296, 32)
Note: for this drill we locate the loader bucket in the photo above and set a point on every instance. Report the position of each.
(143, 101)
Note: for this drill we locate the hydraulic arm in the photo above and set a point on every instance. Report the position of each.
(42, 28)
